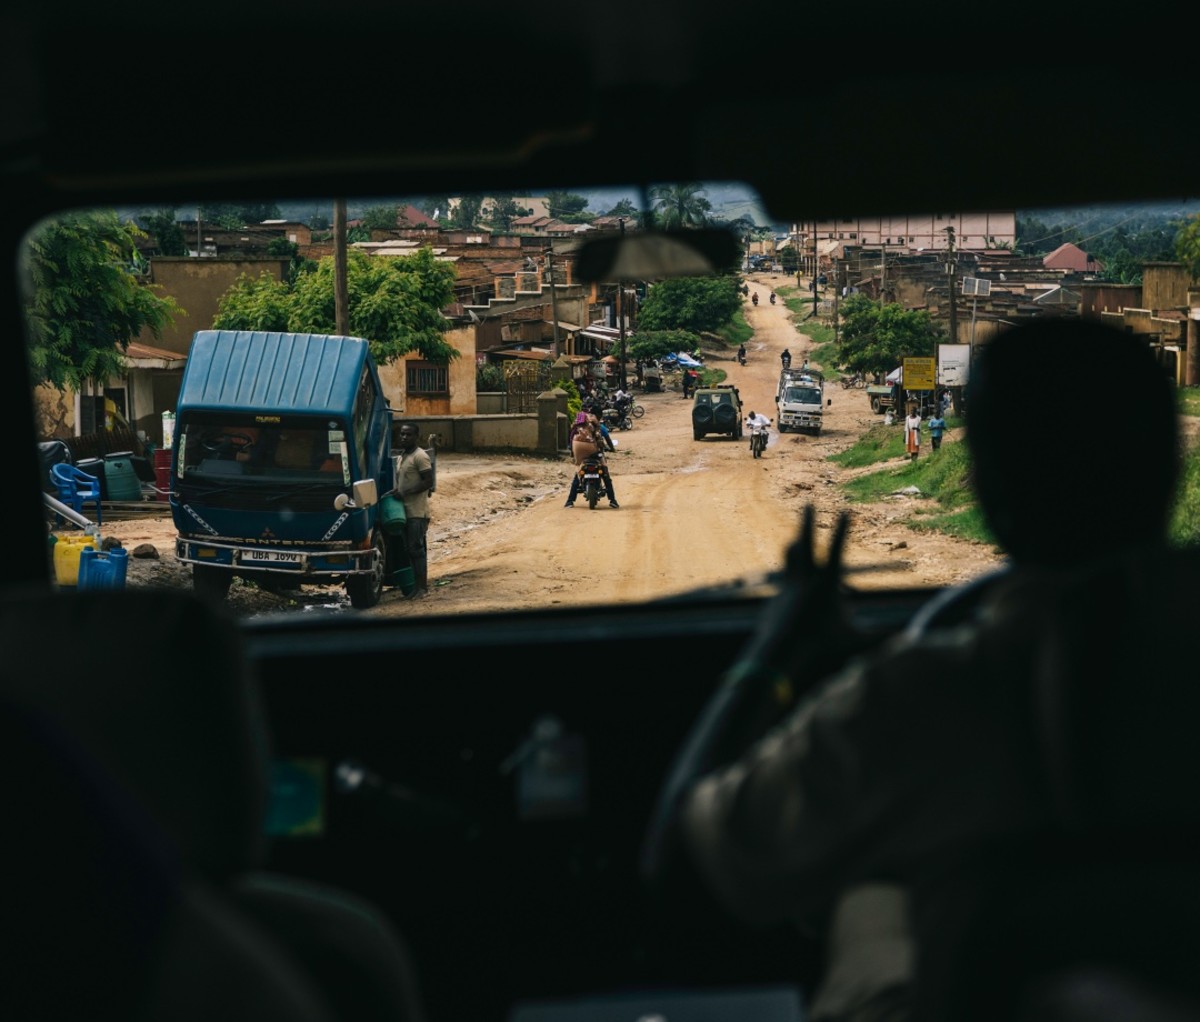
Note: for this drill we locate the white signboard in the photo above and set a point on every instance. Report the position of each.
(954, 361)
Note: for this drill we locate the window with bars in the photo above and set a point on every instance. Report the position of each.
(427, 378)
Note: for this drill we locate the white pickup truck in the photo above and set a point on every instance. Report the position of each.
(800, 400)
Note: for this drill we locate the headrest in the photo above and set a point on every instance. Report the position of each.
(155, 686)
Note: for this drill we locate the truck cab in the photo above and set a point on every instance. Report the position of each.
(800, 399)
(282, 449)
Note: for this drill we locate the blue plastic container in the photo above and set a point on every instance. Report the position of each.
(102, 569)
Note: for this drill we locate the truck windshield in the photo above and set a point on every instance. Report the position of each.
(290, 449)
(803, 396)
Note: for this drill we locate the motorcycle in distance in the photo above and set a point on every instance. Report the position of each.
(616, 418)
(741, 356)
(592, 471)
(759, 434)
(772, 297)
(754, 298)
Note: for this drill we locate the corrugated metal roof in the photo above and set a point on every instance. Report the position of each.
(146, 356)
(273, 372)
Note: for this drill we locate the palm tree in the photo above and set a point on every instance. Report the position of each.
(682, 205)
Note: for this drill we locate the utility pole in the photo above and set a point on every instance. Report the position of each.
(814, 268)
(951, 266)
(341, 301)
(553, 296)
(799, 260)
(621, 314)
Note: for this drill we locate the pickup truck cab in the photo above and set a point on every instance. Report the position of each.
(282, 449)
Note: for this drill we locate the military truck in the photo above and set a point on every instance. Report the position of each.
(800, 401)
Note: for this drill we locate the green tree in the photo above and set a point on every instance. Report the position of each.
(1187, 245)
(690, 303)
(681, 205)
(489, 377)
(297, 264)
(165, 230)
(503, 211)
(379, 218)
(84, 306)
(466, 213)
(875, 338)
(435, 206)
(647, 345)
(233, 215)
(394, 301)
(568, 207)
(627, 209)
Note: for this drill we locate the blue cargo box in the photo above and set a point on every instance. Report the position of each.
(273, 372)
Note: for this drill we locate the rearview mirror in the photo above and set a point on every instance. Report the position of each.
(653, 255)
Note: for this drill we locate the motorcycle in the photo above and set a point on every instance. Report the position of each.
(772, 297)
(615, 418)
(741, 358)
(592, 471)
(758, 438)
(754, 298)
(786, 361)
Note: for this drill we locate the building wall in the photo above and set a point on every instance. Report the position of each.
(198, 285)
(972, 231)
(1165, 286)
(461, 400)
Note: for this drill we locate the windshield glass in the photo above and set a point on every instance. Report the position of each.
(298, 450)
(491, 332)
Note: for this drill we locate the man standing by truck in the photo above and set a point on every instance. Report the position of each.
(414, 477)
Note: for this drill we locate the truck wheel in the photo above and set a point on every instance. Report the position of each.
(876, 407)
(211, 583)
(696, 434)
(365, 590)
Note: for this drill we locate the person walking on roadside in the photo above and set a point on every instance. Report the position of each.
(414, 479)
(912, 432)
(937, 426)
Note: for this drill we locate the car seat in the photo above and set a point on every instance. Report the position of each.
(100, 917)
(1106, 893)
(186, 736)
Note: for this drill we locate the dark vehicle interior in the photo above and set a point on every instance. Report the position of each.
(482, 800)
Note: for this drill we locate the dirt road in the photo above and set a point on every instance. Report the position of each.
(693, 513)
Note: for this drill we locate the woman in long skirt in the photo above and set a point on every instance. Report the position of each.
(912, 433)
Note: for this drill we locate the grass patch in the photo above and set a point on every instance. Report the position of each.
(1185, 519)
(943, 477)
(736, 331)
(1187, 399)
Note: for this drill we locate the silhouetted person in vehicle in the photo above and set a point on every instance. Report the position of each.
(831, 784)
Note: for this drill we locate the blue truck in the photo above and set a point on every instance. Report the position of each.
(282, 449)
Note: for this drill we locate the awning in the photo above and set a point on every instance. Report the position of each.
(145, 356)
(895, 374)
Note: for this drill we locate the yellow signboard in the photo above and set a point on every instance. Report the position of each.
(919, 373)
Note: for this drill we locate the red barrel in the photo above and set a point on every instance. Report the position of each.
(162, 473)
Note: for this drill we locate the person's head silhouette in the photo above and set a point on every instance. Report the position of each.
(1090, 473)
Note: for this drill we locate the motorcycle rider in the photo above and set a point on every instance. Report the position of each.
(754, 298)
(785, 357)
(591, 431)
(772, 297)
(741, 356)
(754, 420)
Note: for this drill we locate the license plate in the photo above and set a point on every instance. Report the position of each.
(271, 557)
